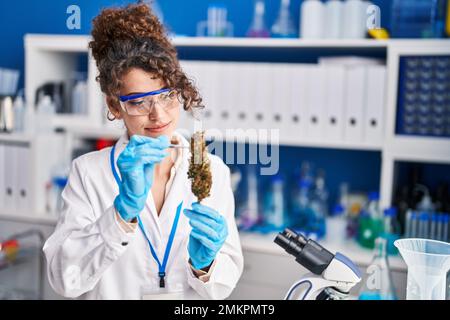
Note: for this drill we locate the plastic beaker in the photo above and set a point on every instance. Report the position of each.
(428, 262)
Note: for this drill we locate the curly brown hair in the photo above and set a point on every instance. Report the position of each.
(133, 37)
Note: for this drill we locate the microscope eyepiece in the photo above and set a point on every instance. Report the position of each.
(290, 241)
(308, 253)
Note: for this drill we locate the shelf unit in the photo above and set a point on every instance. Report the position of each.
(50, 57)
(43, 152)
(402, 147)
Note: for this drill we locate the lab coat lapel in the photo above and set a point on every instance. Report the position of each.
(120, 145)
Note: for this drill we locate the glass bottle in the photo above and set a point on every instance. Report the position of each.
(377, 283)
(284, 25)
(370, 222)
(258, 27)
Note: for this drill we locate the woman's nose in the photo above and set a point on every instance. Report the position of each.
(156, 112)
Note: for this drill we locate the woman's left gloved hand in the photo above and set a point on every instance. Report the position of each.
(209, 231)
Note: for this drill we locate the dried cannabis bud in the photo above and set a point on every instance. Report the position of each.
(174, 140)
(199, 167)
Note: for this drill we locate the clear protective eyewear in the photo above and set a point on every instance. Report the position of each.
(142, 104)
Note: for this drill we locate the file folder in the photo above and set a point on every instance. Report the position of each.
(334, 103)
(263, 98)
(23, 175)
(300, 75)
(245, 113)
(228, 73)
(376, 95)
(316, 103)
(10, 186)
(355, 103)
(280, 102)
(2, 175)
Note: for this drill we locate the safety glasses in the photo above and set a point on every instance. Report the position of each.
(143, 103)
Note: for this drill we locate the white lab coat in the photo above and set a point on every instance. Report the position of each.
(87, 257)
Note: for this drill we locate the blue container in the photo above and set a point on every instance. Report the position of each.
(418, 18)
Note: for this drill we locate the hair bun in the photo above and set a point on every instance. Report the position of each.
(129, 23)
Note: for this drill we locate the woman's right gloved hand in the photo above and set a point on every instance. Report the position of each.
(136, 164)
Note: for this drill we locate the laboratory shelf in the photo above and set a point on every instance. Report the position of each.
(419, 149)
(43, 219)
(292, 141)
(115, 133)
(58, 43)
(15, 137)
(277, 43)
(79, 43)
(302, 43)
(263, 243)
(364, 146)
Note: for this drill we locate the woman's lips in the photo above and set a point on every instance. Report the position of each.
(158, 128)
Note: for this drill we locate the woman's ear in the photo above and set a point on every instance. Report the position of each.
(113, 107)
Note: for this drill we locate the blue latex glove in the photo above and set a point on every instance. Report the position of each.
(136, 164)
(209, 231)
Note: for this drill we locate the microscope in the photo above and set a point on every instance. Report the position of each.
(332, 276)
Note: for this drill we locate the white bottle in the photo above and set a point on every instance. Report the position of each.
(312, 22)
(45, 111)
(333, 18)
(354, 19)
(79, 100)
(336, 226)
(19, 113)
(7, 117)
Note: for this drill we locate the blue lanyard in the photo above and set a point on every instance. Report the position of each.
(161, 266)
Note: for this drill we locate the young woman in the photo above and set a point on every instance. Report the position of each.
(130, 226)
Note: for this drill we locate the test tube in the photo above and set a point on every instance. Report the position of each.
(424, 220)
(439, 227)
(408, 224)
(433, 226)
(414, 218)
(445, 220)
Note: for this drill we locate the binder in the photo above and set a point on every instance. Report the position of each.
(190, 68)
(246, 93)
(280, 102)
(228, 73)
(205, 74)
(355, 103)
(334, 103)
(263, 98)
(316, 103)
(2, 175)
(376, 95)
(10, 186)
(209, 82)
(300, 75)
(23, 175)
